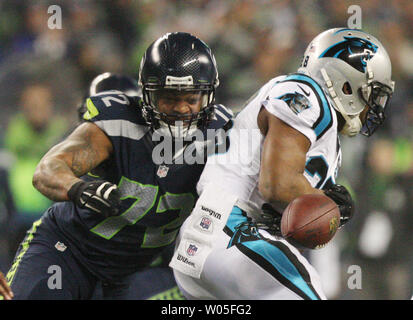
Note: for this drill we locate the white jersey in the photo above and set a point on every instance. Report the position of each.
(220, 252)
(301, 103)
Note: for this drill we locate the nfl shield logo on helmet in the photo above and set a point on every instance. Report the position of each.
(162, 171)
(192, 249)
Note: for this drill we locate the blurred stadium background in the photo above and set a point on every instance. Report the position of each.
(44, 75)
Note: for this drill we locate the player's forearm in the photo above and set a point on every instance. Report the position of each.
(282, 190)
(53, 178)
(77, 155)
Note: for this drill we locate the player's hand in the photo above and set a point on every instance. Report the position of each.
(345, 203)
(270, 220)
(5, 290)
(99, 196)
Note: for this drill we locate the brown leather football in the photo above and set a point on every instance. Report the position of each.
(310, 221)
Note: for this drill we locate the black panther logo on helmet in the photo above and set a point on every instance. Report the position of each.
(353, 50)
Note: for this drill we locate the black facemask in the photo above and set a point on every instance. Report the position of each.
(377, 102)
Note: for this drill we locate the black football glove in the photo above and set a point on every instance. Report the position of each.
(99, 196)
(270, 220)
(342, 198)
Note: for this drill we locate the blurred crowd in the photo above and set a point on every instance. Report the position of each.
(44, 75)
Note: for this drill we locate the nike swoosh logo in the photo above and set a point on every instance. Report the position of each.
(306, 93)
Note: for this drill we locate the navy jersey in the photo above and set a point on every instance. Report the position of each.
(156, 198)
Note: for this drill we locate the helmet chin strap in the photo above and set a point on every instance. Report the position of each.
(353, 124)
(176, 131)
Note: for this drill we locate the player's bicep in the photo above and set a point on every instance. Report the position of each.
(282, 161)
(284, 149)
(84, 149)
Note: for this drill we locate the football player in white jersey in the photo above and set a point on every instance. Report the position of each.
(230, 247)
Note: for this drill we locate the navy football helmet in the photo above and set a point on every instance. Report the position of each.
(178, 63)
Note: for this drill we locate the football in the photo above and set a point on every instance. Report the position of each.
(310, 221)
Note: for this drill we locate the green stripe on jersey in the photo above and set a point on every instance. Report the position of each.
(92, 111)
(24, 247)
(170, 294)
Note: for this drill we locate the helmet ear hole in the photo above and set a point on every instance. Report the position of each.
(347, 88)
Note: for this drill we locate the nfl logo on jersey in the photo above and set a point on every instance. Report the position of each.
(60, 246)
(192, 249)
(162, 171)
(205, 223)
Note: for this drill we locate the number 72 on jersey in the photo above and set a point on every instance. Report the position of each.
(145, 197)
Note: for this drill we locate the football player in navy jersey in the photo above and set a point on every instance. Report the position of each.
(157, 281)
(109, 225)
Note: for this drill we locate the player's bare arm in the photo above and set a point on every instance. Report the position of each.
(61, 167)
(282, 162)
(5, 289)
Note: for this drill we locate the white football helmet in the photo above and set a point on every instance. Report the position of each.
(354, 69)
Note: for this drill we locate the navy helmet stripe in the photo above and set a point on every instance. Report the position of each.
(325, 119)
